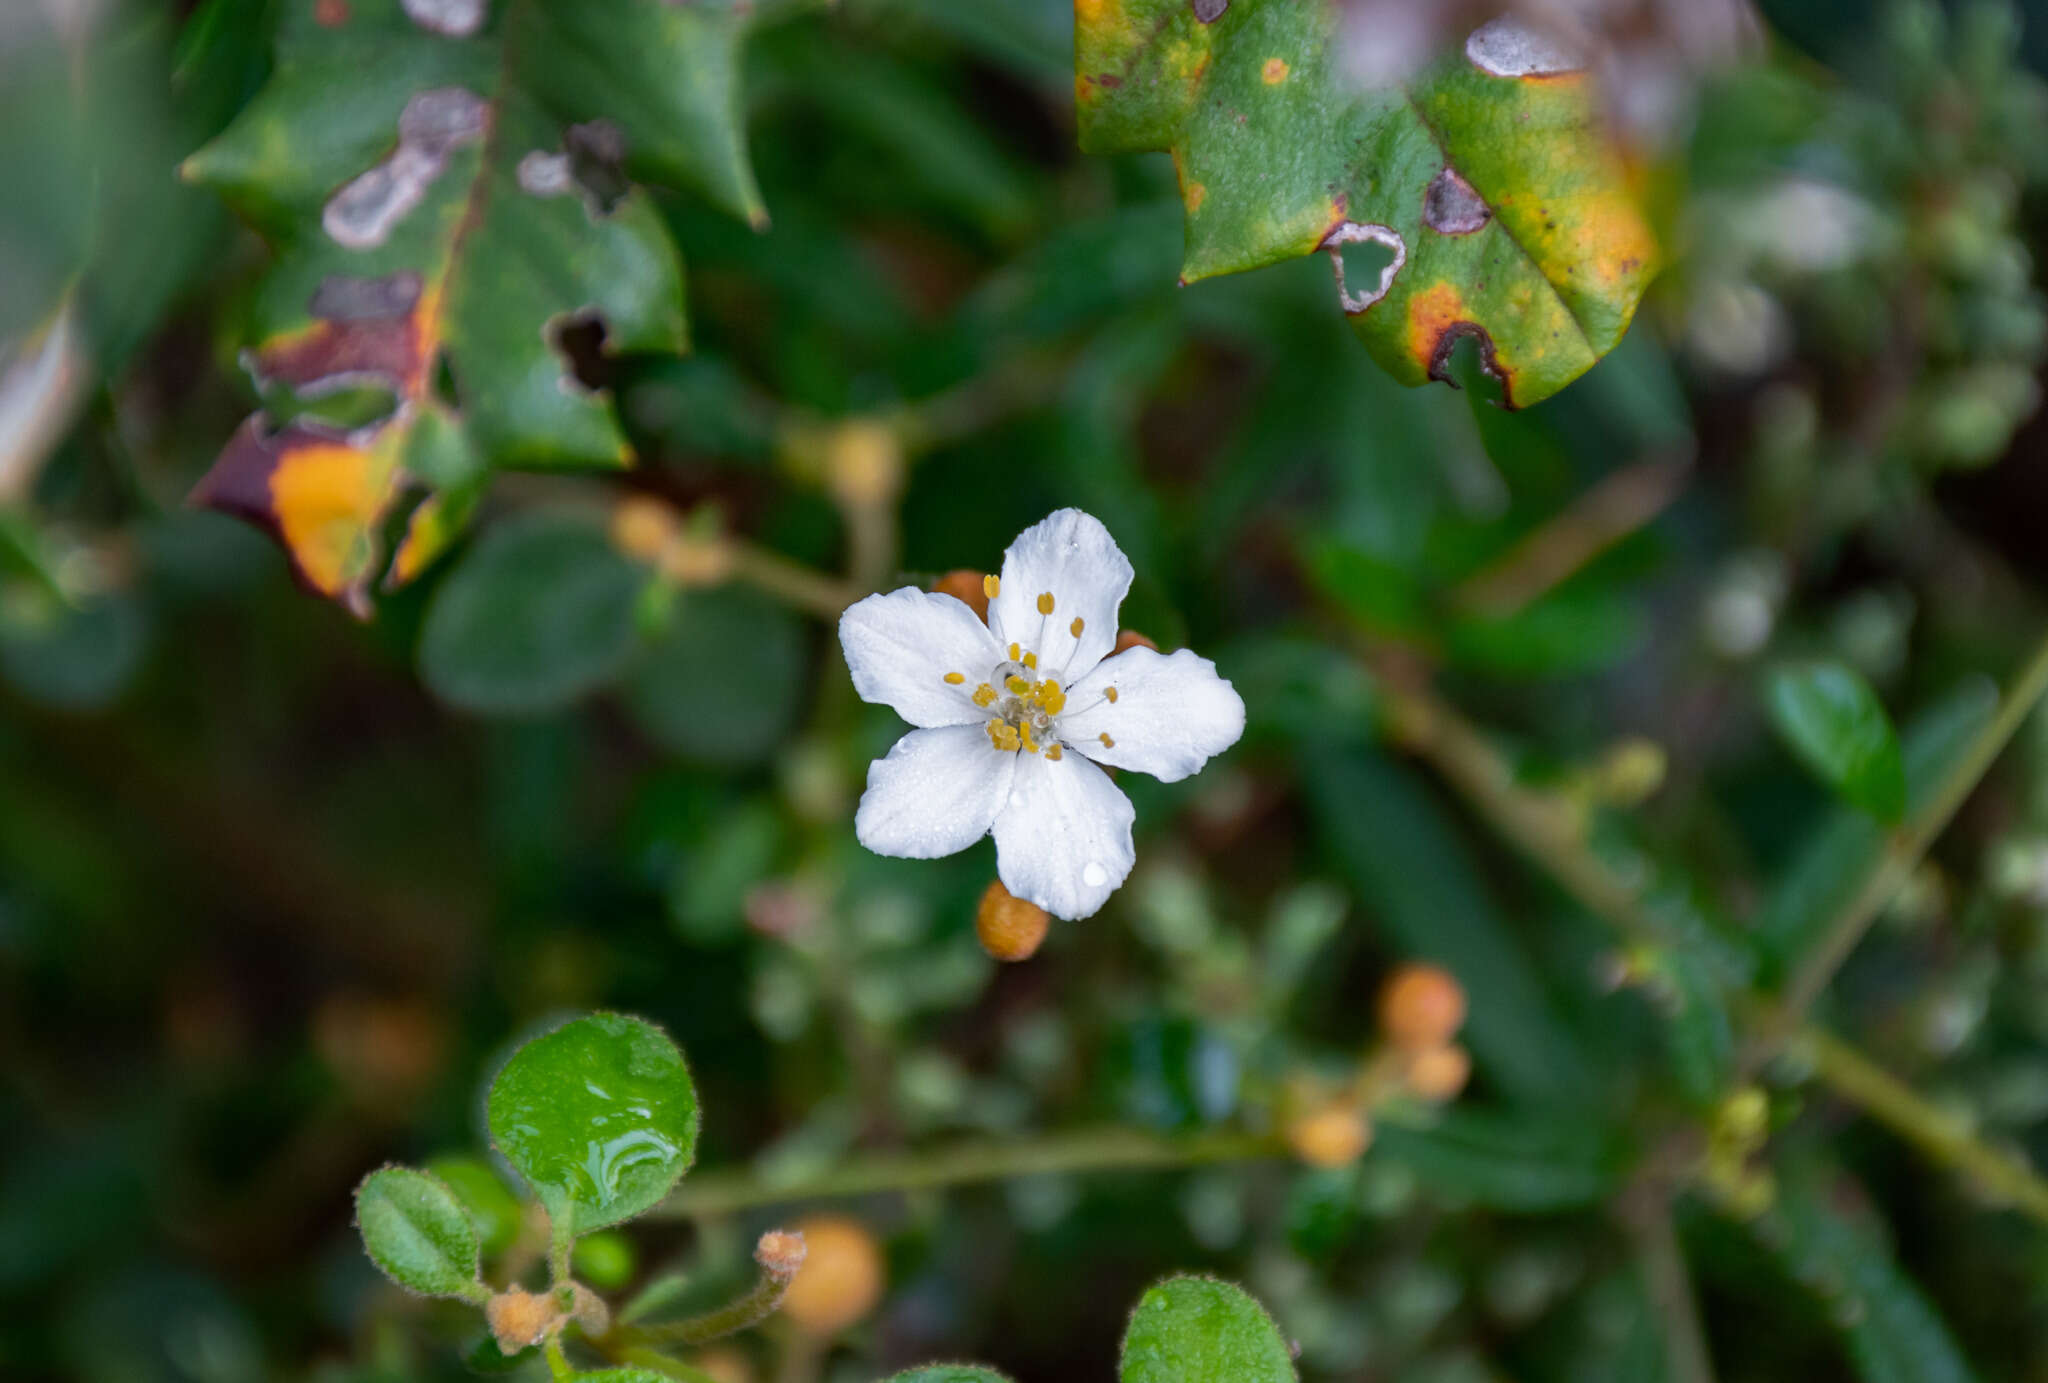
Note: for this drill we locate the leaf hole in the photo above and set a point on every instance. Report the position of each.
(579, 340)
(1364, 258)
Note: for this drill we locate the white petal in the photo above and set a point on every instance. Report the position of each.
(1170, 716)
(1071, 557)
(1063, 841)
(936, 793)
(900, 646)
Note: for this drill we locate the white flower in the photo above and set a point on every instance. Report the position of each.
(1013, 711)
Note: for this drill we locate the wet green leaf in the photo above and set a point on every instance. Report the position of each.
(1496, 205)
(1199, 1330)
(417, 1231)
(540, 613)
(1832, 719)
(599, 1116)
(447, 194)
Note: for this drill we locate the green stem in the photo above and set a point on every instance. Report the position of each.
(560, 1243)
(1942, 1137)
(559, 1368)
(1904, 853)
(791, 581)
(1087, 1150)
(737, 1315)
(1670, 1287)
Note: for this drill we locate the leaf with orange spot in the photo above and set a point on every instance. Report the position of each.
(446, 194)
(1491, 172)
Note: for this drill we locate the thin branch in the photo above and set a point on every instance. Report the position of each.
(791, 581)
(1946, 1140)
(1088, 1150)
(1670, 1286)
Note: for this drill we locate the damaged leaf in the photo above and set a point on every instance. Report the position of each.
(1488, 179)
(448, 187)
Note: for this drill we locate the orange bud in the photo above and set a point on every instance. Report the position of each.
(864, 462)
(518, 1318)
(780, 1252)
(1422, 1006)
(693, 561)
(966, 587)
(841, 1279)
(643, 527)
(1439, 1073)
(1009, 927)
(1131, 638)
(1331, 1135)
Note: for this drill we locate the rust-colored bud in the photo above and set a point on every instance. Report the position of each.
(970, 588)
(643, 527)
(841, 1279)
(1439, 1073)
(864, 462)
(780, 1252)
(519, 1318)
(1330, 1135)
(1009, 927)
(697, 561)
(1131, 638)
(1422, 1006)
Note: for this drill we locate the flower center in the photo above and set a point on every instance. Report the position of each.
(1023, 707)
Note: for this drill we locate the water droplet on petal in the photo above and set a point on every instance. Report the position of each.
(1094, 875)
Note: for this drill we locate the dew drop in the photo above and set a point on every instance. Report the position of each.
(1094, 875)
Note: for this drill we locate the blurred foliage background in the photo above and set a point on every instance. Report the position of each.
(276, 885)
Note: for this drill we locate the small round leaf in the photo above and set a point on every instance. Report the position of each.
(417, 1232)
(1199, 1330)
(1832, 719)
(539, 613)
(599, 1116)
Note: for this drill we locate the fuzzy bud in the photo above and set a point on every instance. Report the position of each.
(1010, 928)
(1331, 1135)
(841, 1279)
(643, 527)
(1421, 1006)
(1131, 638)
(519, 1318)
(780, 1252)
(864, 462)
(1439, 1073)
(970, 588)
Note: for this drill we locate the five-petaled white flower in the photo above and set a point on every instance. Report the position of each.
(1013, 711)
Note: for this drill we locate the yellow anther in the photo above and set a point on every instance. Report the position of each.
(955, 678)
(1110, 692)
(1015, 655)
(984, 695)
(1107, 742)
(1045, 603)
(1017, 685)
(1030, 660)
(1078, 622)
(990, 585)
(1053, 753)
(1024, 734)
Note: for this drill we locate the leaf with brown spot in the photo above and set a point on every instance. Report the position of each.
(394, 162)
(1491, 173)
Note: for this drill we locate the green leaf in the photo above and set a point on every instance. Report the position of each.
(599, 1116)
(1527, 1163)
(1507, 214)
(445, 197)
(624, 1376)
(492, 1207)
(1839, 854)
(724, 681)
(1199, 1330)
(950, 1373)
(540, 613)
(1833, 721)
(1892, 1333)
(417, 1231)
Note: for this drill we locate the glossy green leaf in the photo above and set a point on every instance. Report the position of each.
(447, 193)
(599, 1116)
(492, 1207)
(538, 614)
(1833, 721)
(1199, 1330)
(950, 1373)
(417, 1231)
(1486, 182)
(1890, 1330)
(1829, 866)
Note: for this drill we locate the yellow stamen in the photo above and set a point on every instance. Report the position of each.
(990, 585)
(1015, 656)
(984, 694)
(1110, 692)
(1107, 742)
(955, 678)
(1077, 626)
(1024, 733)
(1030, 660)
(1018, 685)
(1054, 753)
(1045, 603)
